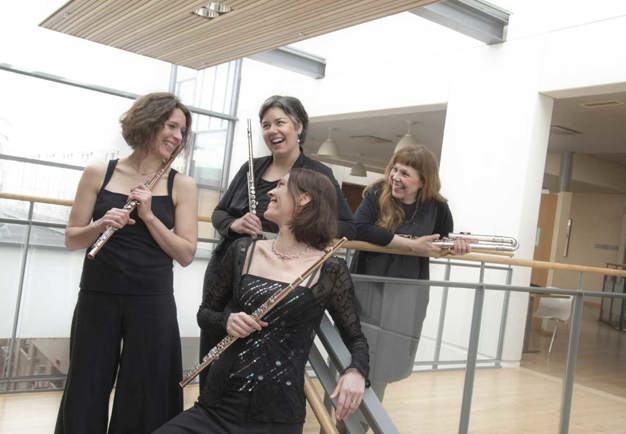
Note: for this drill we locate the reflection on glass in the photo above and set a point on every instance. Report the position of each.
(210, 88)
(207, 201)
(67, 124)
(209, 148)
(11, 241)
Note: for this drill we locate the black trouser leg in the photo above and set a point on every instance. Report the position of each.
(147, 393)
(94, 354)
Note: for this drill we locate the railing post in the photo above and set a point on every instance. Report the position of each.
(570, 362)
(505, 314)
(472, 353)
(16, 315)
(442, 317)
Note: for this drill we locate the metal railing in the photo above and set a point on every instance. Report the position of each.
(371, 409)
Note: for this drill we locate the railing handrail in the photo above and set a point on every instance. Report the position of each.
(364, 246)
(36, 199)
(495, 259)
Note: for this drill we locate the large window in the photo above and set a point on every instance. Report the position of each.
(50, 128)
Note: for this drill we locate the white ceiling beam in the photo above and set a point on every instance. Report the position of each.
(474, 18)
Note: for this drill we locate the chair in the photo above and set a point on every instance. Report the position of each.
(557, 309)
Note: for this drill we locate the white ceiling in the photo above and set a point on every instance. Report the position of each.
(603, 130)
(372, 136)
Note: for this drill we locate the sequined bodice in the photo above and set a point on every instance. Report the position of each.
(277, 353)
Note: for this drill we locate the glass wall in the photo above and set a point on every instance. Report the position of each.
(62, 98)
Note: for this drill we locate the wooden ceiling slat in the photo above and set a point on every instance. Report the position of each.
(88, 15)
(302, 23)
(168, 30)
(218, 33)
(58, 18)
(110, 24)
(233, 23)
(269, 40)
(125, 34)
(172, 23)
(103, 15)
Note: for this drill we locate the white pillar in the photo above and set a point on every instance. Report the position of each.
(492, 165)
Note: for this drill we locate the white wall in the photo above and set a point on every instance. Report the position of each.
(496, 132)
(496, 128)
(590, 170)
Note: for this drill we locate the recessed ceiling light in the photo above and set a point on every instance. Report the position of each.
(601, 104)
(563, 131)
(212, 10)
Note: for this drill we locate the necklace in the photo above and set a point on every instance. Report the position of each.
(285, 256)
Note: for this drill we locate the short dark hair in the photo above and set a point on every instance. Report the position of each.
(148, 114)
(315, 223)
(294, 109)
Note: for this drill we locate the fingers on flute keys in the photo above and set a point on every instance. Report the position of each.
(240, 324)
(116, 217)
(248, 224)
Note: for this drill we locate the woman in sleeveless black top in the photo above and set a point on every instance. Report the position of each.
(284, 123)
(124, 323)
(256, 386)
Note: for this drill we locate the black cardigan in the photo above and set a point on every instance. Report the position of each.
(333, 291)
(430, 217)
(234, 203)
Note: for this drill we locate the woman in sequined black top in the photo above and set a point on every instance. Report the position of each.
(284, 123)
(256, 386)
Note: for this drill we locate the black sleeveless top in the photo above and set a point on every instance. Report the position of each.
(274, 354)
(131, 262)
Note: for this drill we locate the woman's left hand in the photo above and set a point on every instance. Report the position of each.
(348, 393)
(461, 246)
(142, 194)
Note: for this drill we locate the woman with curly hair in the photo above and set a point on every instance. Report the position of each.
(124, 323)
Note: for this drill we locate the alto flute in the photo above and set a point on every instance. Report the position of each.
(132, 204)
(479, 243)
(259, 313)
(251, 190)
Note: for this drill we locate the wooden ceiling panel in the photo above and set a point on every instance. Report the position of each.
(168, 30)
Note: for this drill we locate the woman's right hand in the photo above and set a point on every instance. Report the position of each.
(424, 245)
(248, 224)
(116, 217)
(240, 324)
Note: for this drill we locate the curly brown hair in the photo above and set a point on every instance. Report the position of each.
(420, 158)
(146, 117)
(315, 223)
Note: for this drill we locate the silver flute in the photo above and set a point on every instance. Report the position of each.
(478, 243)
(259, 313)
(251, 190)
(132, 204)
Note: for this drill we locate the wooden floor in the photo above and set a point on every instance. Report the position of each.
(515, 400)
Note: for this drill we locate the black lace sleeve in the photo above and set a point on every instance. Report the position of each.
(342, 307)
(218, 288)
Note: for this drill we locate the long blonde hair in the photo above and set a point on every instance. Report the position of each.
(420, 158)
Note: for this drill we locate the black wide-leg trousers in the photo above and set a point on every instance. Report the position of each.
(133, 337)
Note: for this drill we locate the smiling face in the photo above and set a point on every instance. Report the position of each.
(281, 207)
(170, 136)
(280, 132)
(405, 183)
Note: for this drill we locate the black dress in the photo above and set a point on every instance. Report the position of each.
(126, 295)
(234, 204)
(257, 385)
(392, 314)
